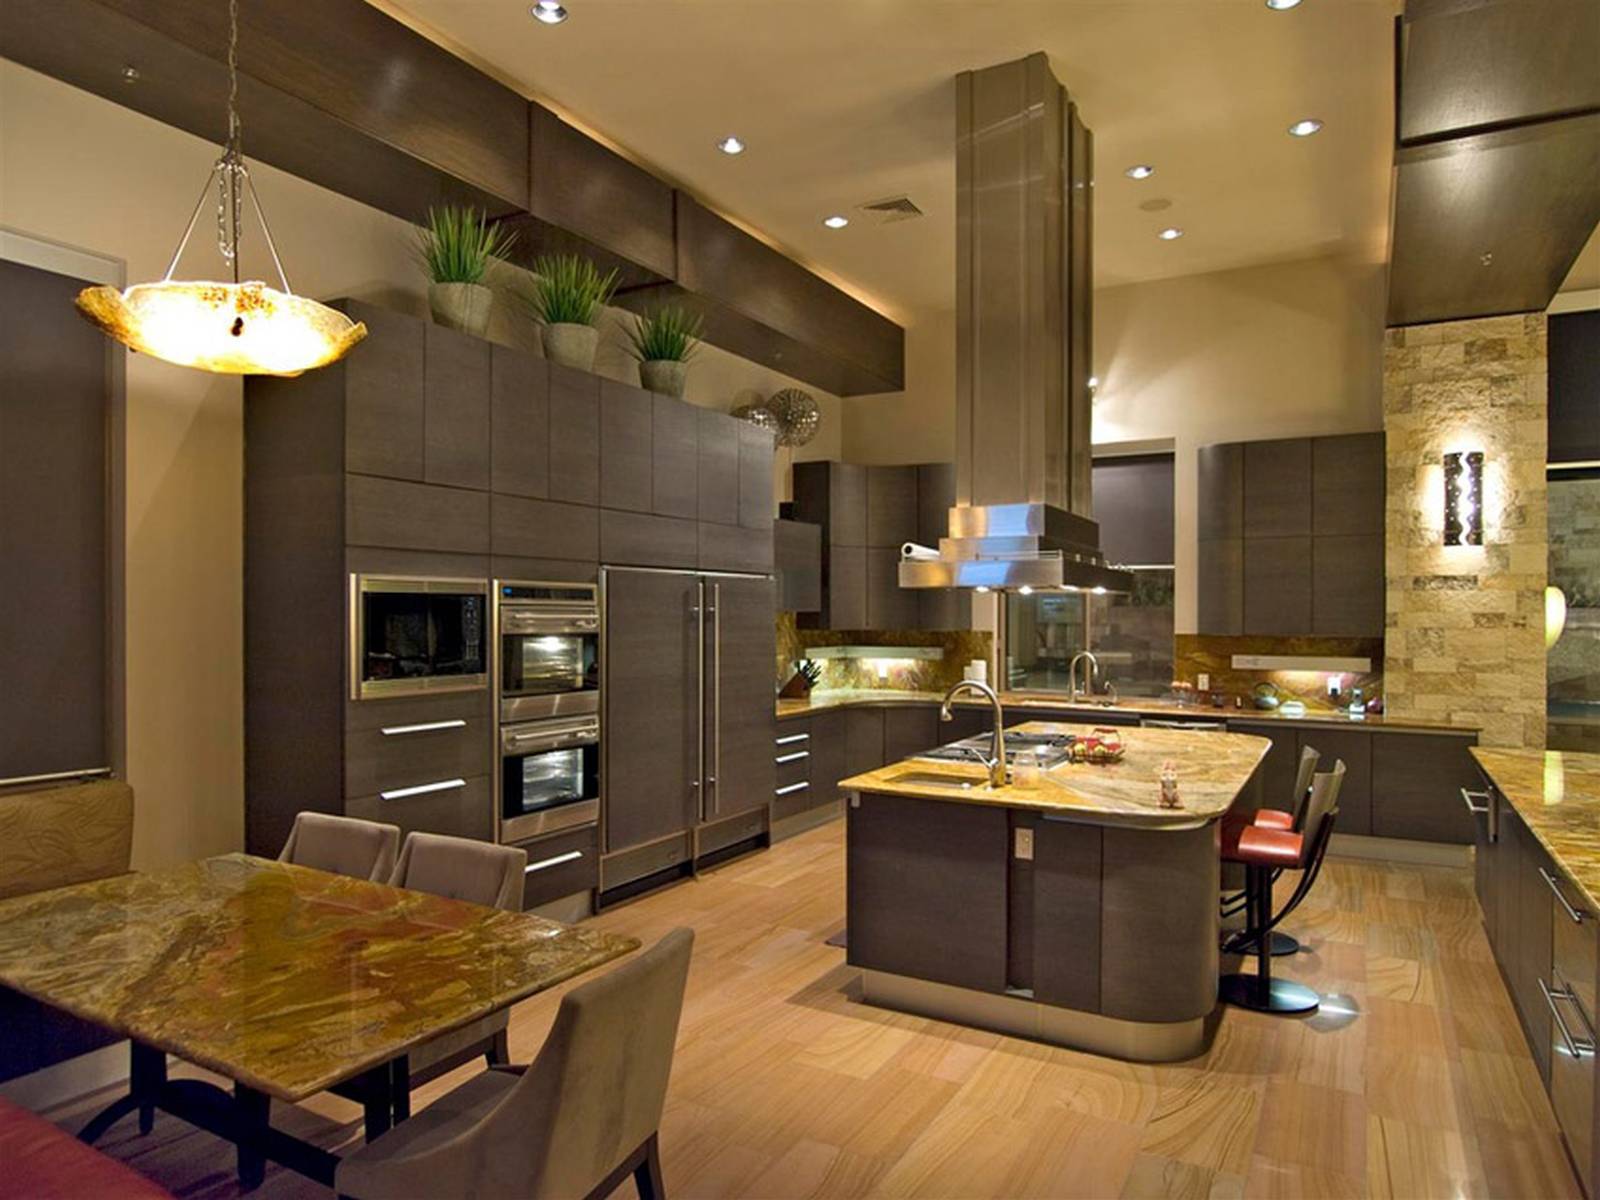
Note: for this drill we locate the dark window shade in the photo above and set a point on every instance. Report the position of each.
(1133, 505)
(1575, 387)
(53, 587)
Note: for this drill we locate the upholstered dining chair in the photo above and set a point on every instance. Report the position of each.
(342, 845)
(479, 873)
(576, 1122)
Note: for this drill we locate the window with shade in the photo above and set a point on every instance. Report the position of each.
(1131, 636)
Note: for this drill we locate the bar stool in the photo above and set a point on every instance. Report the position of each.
(1273, 818)
(1264, 852)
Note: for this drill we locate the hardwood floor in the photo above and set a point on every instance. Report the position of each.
(1412, 1082)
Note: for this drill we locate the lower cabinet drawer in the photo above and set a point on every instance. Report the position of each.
(560, 865)
(798, 798)
(793, 767)
(456, 806)
(397, 755)
(1572, 1072)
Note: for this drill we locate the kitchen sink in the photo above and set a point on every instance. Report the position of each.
(927, 779)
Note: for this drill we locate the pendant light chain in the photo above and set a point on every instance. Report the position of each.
(231, 175)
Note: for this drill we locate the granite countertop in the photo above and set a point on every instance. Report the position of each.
(283, 978)
(1557, 795)
(822, 700)
(1212, 769)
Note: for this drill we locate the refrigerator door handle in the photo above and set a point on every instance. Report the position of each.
(700, 701)
(716, 698)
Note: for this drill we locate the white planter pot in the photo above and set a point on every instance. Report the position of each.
(571, 345)
(463, 306)
(664, 375)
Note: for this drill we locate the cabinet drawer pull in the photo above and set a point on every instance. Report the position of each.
(1577, 915)
(793, 738)
(793, 787)
(544, 864)
(424, 727)
(1577, 1047)
(789, 758)
(443, 785)
(1467, 798)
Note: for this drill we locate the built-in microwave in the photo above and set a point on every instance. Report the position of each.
(417, 635)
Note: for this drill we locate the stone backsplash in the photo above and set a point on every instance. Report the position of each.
(1204, 653)
(916, 675)
(1465, 624)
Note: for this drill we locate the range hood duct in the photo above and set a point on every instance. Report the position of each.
(1024, 214)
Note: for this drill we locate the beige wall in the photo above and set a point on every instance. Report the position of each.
(1285, 350)
(80, 170)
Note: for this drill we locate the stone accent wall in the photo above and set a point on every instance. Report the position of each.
(1465, 624)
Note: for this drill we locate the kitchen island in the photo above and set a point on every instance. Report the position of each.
(1078, 910)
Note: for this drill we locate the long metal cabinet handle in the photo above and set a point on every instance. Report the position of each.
(793, 787)
(716, 696)
(545, 864)
(1577, 915)
(444, 785)
(1467, 798)
(424, 727)
(699, 610)
(1577, 1047)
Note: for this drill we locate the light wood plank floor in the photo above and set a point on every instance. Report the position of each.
(1413, 1081)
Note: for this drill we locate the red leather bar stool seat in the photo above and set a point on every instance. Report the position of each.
(1274, 818)
(46, 1163)
(1270, 848)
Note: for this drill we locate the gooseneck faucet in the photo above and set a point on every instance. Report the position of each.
(999, 770)
(1089, 674)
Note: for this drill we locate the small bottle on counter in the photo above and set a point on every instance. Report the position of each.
(1025, 770)
(1169, 784)
(1358, 710)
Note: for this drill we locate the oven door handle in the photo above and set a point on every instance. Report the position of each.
(521, 742)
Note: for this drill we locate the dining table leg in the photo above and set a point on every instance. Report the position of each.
(400, 1088)
(146, 1079)
(252, 1112)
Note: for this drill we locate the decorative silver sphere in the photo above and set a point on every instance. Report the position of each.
(761, 417)
(799, 418)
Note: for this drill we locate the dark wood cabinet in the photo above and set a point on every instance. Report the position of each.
(863, 740)
(519, 433)
(383, 395)
(627, 417)
(735, 548)
(1221, 491)
(456, 409)
(740, 724)
(652, 706)
(844, 589)
(827, 755)
(1221, 586)
(718, 482)
(938, 608)
(1347, 585)
(415, 516)
(1277, 488)
(1416, 786)
(574, 399)
(1272, 786)
(1353, 748)
(889, 606)
(675, 458)
(1277, 585)
(891, 506)
(1533, 944)
(756, 450)
(949, 925)
(643, 540)
(797, 547)
(1574, 419)
(522, 528)
(1134, 504)
(909, 730)
(1347, 484)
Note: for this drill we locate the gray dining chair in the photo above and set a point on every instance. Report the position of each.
(479, 873)
(576, 1122)
(342, 845)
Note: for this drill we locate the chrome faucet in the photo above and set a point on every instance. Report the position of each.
(999, 770)
(1089, 675)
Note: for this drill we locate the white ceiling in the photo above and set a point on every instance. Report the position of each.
(846, 101)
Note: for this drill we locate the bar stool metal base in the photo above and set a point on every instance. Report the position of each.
(1278, 996)
(1284, 944)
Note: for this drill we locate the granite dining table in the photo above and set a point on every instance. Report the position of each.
(286, 980)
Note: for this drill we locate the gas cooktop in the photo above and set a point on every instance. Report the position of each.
(1049, 748)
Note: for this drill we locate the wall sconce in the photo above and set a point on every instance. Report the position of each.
(1463, 498)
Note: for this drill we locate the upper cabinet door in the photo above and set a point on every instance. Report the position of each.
(626, 417)
(847, 504)
(719, 467)
(891, 505)
(1221, 510)
(383, 409)
(1277, 488)
(520, 423)
(936, 496)
(1347, 585)
(574, 435)
(1133, 501)
(675, 454)
(1347, 484)
(756, 450)
(455, 409)
(1277, 585)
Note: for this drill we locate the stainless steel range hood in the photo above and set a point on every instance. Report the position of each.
(1024, 213)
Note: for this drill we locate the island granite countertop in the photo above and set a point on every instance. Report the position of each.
(1557, 795)
(1212, 769)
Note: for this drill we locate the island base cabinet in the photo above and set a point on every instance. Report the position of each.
(946, 924)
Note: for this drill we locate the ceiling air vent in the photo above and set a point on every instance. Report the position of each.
(895, 208)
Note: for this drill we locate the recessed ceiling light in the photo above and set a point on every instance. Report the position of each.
(1170, 234)
(1305, 128)
(836, 221)
(731, 145)
(1282, 5)
(548, 11)
(1140, 171)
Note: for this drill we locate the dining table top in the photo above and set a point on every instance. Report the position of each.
(283, 978)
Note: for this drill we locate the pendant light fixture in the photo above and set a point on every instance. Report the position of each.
(232, 328)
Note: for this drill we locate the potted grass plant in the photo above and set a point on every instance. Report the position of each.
(456, 246)
(566, 299)
(664, 341)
